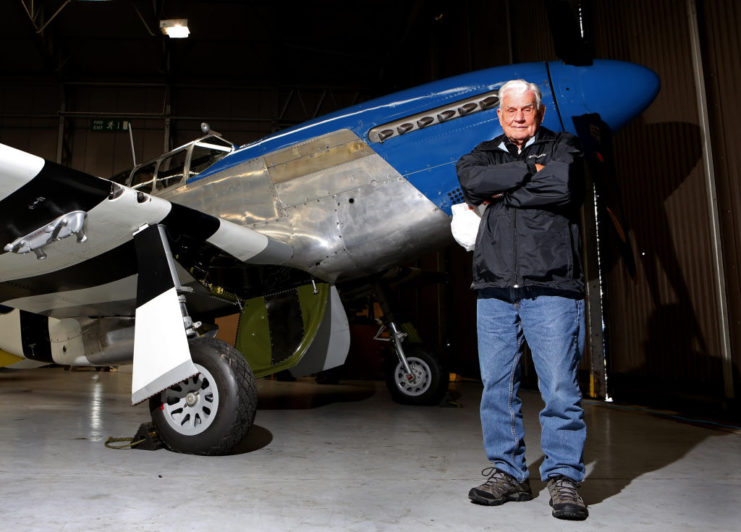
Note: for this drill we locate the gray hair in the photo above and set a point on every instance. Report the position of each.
(520, 86)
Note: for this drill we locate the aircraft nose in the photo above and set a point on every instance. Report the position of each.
(617, 90)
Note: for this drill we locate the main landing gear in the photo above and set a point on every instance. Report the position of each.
(212, 406)
(211, 412)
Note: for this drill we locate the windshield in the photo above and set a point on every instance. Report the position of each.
(177, 166)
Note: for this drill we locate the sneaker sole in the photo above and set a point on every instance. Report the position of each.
(486, 501)
(570, 514)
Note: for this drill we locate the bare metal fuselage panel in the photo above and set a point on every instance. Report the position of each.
(341, 207)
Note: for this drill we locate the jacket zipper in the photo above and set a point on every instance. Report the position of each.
(514, 247)
(521, 157)
(514, 227)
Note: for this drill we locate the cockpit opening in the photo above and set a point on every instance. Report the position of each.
(176, 167)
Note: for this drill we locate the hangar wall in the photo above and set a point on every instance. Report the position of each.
(665, 322)
(663, 331)
(719, 27)
(162, 116)
(663, 326)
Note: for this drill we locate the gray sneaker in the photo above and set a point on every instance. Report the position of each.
(565, 499)
(499, 488)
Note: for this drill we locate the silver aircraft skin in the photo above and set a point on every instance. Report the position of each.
(322, 198)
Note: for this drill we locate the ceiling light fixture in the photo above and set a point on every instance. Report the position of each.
(175, 28)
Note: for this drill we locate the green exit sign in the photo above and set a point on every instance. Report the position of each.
(109, 124)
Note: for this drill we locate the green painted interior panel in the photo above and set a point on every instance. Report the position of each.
(253, 333)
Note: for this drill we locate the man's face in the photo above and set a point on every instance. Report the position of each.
(519, 116)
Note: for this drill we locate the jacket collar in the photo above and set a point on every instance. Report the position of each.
(512, 149)
(500, 143)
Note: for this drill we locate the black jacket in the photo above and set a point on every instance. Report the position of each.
(529, 237)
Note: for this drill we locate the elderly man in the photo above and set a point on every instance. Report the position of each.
(528, 275)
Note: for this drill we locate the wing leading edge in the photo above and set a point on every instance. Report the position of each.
(99, 275)
(59, 274)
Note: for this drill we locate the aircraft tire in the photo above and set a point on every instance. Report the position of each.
(210, 413)
(431, 382)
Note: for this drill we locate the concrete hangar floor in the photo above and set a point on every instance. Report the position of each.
(339, 457)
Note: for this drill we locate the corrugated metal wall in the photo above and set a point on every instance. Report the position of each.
(30, 117)
(720, 23)
(663, 325)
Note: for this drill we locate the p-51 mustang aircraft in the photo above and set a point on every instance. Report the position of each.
(93, 270)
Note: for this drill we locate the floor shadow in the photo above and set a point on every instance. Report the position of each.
(257, 438)
(274, 395)
(677, 359)
(625, 442)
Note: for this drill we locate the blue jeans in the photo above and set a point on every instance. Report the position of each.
(553, 327)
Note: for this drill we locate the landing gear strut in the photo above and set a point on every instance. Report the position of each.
(416, 376)
(212, 404)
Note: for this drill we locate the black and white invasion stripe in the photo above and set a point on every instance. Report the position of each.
(91, 274)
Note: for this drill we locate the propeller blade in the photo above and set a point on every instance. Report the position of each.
(571, 27)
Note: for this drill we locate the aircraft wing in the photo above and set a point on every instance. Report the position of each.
(75, 247)
(67, 238)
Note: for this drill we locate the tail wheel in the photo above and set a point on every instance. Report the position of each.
(430, 378)
(211, 412)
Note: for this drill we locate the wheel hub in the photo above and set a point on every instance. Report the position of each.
(418, 381)
(190, 406)
(191, 399)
